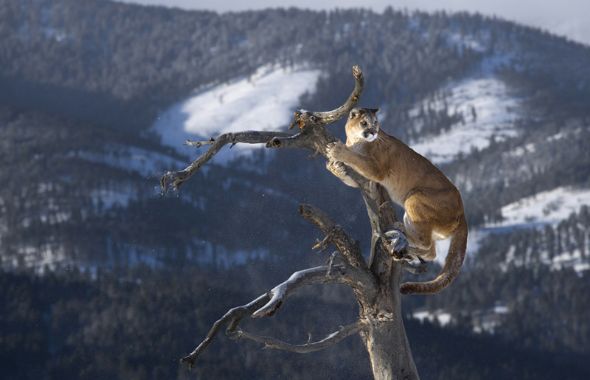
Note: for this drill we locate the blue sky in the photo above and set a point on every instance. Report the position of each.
(564, 17)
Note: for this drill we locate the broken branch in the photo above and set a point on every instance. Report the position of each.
(175, 179)
(233, 318)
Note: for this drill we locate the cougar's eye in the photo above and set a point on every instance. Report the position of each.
(364, 123)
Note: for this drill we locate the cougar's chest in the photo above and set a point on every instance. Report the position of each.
(395, 191)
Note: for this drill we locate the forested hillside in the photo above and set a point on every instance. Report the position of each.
(96, 98)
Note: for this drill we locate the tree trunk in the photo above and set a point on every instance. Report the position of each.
(385, 337)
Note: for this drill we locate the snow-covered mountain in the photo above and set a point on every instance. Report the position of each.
(545, 207)
(463, 90)
(484, 109)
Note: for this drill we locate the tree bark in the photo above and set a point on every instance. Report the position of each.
(385, 335)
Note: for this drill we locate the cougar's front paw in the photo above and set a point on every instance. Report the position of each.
(337, 168)
(335, 151)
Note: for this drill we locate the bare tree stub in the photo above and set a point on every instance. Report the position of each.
(375, 283)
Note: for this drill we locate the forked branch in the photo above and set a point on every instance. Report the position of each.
(268, 303)
(232, 318)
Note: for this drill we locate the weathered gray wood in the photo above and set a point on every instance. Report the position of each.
(385, 335)
(174, 179)
(328, 341)
(375, 284)
(267, 304)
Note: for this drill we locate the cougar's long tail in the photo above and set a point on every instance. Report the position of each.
(451, 269)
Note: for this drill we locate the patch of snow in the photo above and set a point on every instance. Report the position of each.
(547, 207)
(465, 41)
(443, 318)
(37, 257)
(529, 148)
(572, 259)
(56, 218)
(474, 239)
(496, 111)
(487, 324)
(488, 320)
(522, 150)
(264, 101)
(510, 259)
(501, 309)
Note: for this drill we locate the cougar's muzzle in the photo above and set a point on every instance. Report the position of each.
(367, 133)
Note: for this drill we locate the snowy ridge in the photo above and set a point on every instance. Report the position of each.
(488, 111)
(530, 148)
(264, 101)
(547, 207)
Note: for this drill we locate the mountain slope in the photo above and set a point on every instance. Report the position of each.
(89, 90)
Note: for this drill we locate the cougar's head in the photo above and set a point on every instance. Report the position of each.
(362, 124)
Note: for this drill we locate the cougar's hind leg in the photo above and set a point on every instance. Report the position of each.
(420, 238)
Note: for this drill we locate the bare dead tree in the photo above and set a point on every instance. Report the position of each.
(375, 284)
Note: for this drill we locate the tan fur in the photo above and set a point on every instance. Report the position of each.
(433, 205)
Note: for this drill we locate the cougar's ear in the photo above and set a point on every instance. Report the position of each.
(373, 110)
(353, 114)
